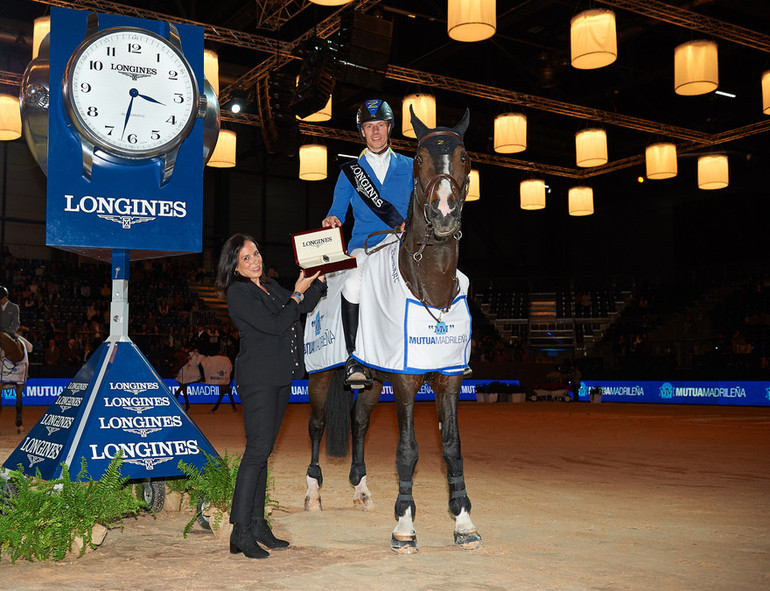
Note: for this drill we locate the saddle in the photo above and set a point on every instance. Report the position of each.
(12, 347)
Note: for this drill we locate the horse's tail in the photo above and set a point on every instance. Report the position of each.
(339, 402)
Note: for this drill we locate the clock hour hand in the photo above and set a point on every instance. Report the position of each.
(149, 98)
(133, 92)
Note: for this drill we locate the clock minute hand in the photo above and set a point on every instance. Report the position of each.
(149, 98)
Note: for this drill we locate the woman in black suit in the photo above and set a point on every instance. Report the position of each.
(267, 317)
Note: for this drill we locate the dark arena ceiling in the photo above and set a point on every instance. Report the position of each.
(525, 67)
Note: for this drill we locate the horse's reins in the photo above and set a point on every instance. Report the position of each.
(417, 255)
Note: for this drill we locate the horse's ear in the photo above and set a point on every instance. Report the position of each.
(420, 129)
(462, 127)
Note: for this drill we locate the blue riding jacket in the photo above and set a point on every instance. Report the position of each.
(396, 189)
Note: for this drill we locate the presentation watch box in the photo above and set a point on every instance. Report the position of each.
(321, 250)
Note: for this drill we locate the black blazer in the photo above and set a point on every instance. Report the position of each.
(271, 344)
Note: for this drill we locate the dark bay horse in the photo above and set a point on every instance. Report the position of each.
(427, 260)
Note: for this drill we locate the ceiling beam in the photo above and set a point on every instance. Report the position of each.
(694, 21)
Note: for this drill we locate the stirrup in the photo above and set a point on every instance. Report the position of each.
(467, 373)
(356, 375)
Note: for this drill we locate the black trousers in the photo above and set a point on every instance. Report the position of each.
(263, 410)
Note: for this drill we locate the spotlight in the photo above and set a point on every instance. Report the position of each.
(239, 101)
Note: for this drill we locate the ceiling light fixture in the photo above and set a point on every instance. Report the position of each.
(591, 147)
(713, 172)
(223, 155)
(10, 118)
(312, 162)
(424, 106)
(474, 186)
(660, 161)
(581, 201)
(510, 133)
(593, 41)
(696, 68)
(532, 194)
(471, 20)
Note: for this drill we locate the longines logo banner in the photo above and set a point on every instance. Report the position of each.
(115, 404)
(123, 205)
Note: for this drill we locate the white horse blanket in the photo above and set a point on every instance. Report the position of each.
(216, 369)
(324, 339)
(16, 373)
(396, 332)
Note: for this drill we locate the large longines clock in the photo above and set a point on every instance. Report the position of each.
(119, 115)
(131, 94)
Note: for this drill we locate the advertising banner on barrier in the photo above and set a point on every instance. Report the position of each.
(732, 393)
(45, 391)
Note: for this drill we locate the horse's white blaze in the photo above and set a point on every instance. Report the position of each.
(405, 527)
(443, 189)
(463, 523)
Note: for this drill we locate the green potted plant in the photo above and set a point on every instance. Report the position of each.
(47, 519)
(210, 492)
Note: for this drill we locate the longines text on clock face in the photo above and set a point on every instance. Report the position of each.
(131, 92)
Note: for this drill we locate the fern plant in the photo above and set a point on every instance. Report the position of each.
(213, 485)
(40, 519)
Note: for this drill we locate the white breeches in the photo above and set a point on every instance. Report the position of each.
(351, 290)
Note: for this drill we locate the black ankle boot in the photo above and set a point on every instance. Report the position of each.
(264, 535)
(242, 540)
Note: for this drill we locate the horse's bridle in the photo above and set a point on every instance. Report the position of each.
(457, 191)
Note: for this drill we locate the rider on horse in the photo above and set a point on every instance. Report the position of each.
(377, 187)
(9, 313)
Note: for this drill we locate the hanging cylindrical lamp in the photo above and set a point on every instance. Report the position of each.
(223, 155)
(591, 147)
(593, 41)
(471, 20)
(211, 68)
(532, 193)
(581, 201)
(713, 172)
(312, 162)
(660, 160)
(40, 29)
(510, 133)
(10, 118)
(424, 106)
(330, 2)
(474, 186)
(696, 68)
(766, 92)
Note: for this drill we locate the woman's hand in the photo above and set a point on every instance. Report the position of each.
(304, 281)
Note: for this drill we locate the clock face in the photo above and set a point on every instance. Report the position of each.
(130, 92)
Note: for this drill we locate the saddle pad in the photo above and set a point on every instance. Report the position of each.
(324, 339)
(15, 373)
(396, 333)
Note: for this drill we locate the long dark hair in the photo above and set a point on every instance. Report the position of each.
(228, 261)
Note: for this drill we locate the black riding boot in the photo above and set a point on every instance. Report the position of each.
(355, 373)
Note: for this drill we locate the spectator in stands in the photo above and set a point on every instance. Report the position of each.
(52, 353)
(70, 354)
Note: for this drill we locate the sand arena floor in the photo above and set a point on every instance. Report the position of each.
(566, 496)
